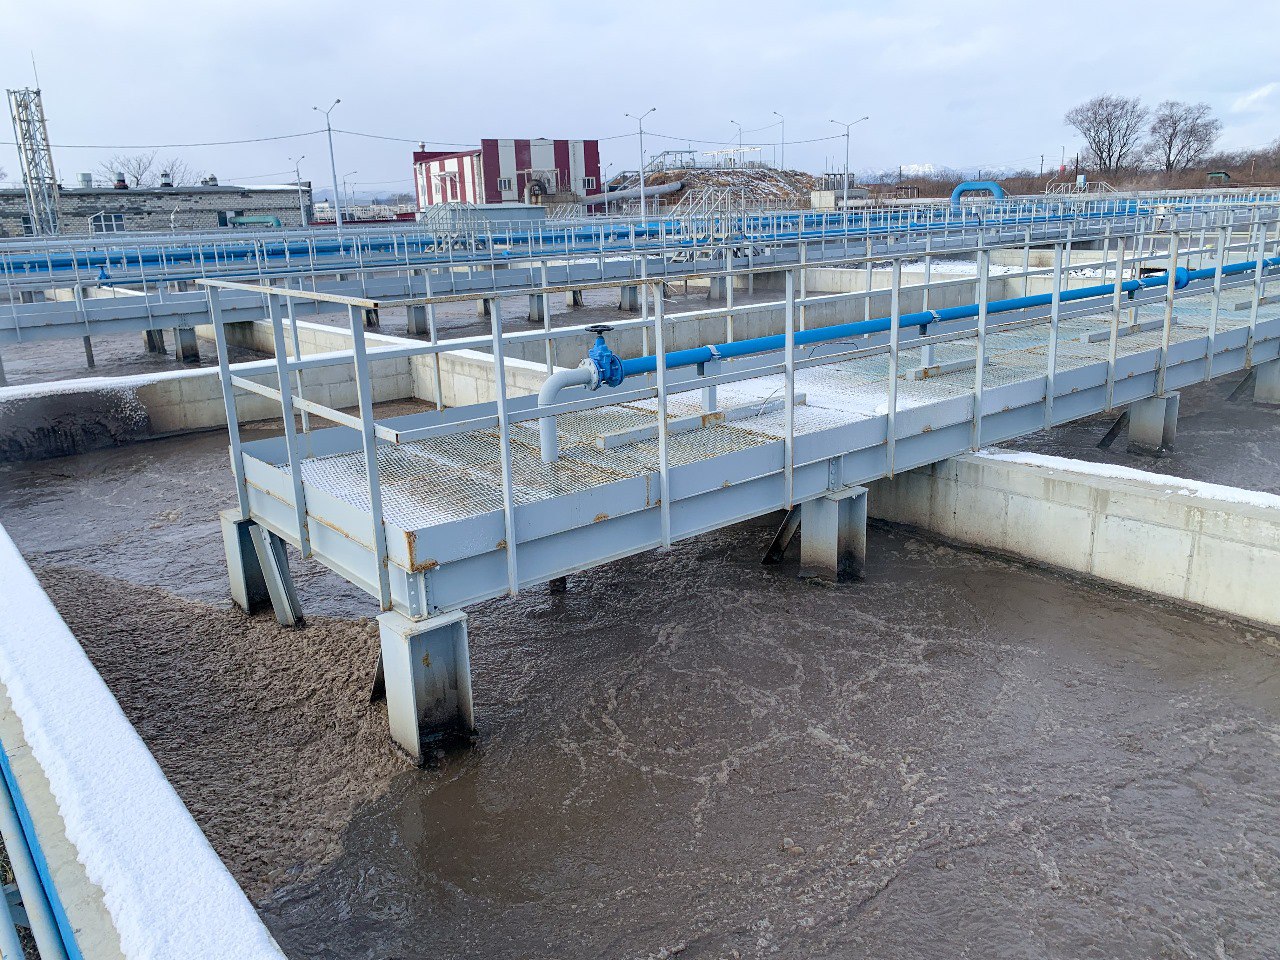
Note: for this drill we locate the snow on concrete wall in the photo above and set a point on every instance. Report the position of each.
(168, 894)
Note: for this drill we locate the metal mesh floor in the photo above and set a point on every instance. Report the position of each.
(427, 482)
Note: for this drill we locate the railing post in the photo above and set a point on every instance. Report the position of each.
(1259, 254)
(286, 414)
(789, 451)
(228, 401)
(980, 351)
(369, 443)
(504, 445)
(1219, 261)
(1167, 329)
(1055, 313)
(891, 409)
(1117, 294)
(664, 465)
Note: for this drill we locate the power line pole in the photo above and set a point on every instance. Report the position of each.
(783, 120)
(333, 167)
(297, 178)
(640, 121)
(845, 202)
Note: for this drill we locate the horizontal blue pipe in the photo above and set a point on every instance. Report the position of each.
(743, 348)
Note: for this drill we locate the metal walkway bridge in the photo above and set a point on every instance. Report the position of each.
(432, 512)
(153, 293)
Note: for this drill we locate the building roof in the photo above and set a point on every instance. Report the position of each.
(167, 191)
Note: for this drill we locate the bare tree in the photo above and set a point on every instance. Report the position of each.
(139, 169)
(145, 169)
(1112, 129)
(1182, 134)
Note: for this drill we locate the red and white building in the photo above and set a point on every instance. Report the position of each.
(507, 171)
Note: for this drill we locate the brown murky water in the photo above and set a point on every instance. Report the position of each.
(689, 754)
(116, 355)
(1236, 443)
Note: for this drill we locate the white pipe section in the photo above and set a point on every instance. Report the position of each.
(583, 376)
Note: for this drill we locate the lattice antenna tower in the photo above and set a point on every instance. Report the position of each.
(36, 156)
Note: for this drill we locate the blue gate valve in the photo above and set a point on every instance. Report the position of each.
(608, 365)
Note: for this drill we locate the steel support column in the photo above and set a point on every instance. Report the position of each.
(1266, 383)
(833, 535)
(1153, 424)
(426, 665)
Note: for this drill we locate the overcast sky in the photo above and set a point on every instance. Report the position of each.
(962, 85)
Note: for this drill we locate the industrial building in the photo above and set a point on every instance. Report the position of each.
(89, 209)
(508, 171)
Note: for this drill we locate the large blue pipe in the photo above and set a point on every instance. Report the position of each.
(743, 348)
(974, 186)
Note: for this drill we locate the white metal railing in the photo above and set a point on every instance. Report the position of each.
(1126, 252)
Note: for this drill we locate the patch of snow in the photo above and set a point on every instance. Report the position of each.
(964, 268)
(1166, 483)
(169, 896)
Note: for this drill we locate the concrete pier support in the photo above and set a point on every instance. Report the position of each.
(629, 298)
(483, 308)
(258, 569)
(153, 340)
(536, 304)
(716, 288)
(1153, 424)
(427, 670)
(573, 298)
(1266, 384)
(186, 347)
(418, 319)
(833, 535)
(371, 320)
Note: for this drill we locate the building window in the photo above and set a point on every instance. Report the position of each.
(27, 229)
(504, 183)
(588, 183)
(104, 222)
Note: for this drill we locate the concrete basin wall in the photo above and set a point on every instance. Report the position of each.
(1203, 544)
(132, 871)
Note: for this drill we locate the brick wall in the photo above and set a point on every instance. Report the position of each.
(197, 208)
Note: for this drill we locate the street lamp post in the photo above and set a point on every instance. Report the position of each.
(640, 120)
(297, 178)
(783, 120)
(741, 155)
(346, 190)
(845, 202)
(333, 167)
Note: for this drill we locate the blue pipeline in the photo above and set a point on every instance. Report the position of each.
(743, 348)
(974, 186)
(250, 254)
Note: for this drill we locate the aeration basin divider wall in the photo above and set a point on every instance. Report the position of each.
(432, 512)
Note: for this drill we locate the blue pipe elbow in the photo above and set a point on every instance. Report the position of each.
(975, 186)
